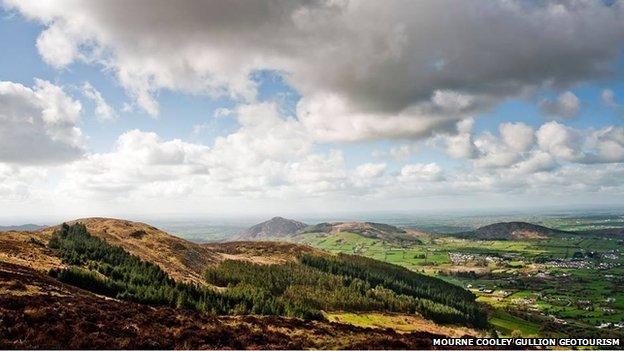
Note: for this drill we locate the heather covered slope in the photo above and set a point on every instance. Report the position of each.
(28, 249)
(40, 312)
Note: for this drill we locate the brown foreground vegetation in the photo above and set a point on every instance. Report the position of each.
(37, 311)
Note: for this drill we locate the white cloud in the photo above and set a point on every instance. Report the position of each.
(419, 69)
(517, 136)
(560, 141)
(38, 125)
(536, 162)
(514, 142)
(16, 181)
(525, 150)
(146, 170)
(141, 161)
(103, 111)
(493, 153)
(608, 144)
(370, 170)
(268, 156)
(567, 105)
(461, 145)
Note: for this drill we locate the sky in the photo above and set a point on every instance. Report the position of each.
(225, 108)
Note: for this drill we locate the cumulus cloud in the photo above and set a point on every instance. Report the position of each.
(521, 149)
(269, 155)
(560, 141)
(514, 141)
(16, 181)
(38, 125)
(370, 170)
(461, 145)
(566, 105)
(422, 67)
(516, 136)
(103, 111)
(608, 145)
(140, 161)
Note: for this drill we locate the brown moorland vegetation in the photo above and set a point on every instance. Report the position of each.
(37, 311)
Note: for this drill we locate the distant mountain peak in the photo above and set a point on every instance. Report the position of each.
(276, 227)
(511, 230)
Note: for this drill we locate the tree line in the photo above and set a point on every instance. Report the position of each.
(299, 284)
(438, 297)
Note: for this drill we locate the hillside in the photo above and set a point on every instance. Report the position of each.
(139, 263)
(181, 259)
(511, 231)
(276, 227)
(263, 252)
(40, 312)
(372, 230)
(28, 249)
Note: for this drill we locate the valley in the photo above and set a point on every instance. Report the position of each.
(547, 283)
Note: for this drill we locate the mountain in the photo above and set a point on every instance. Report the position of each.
(276, 227)
(19, 228)
(511, 231)
(373, 230)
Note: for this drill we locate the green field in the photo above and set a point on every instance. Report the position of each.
(565, 285)
(506, 324)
